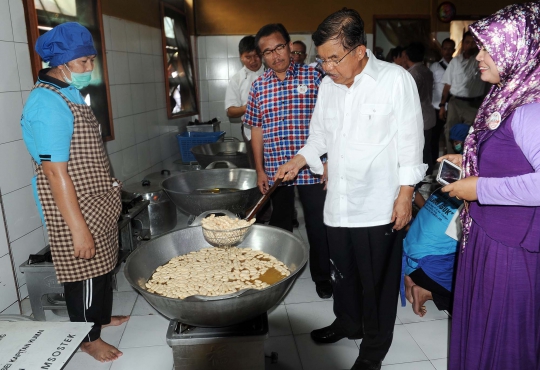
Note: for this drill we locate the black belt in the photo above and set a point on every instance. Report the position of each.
(468, 99)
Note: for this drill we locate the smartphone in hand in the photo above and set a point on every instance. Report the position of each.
(448, 173)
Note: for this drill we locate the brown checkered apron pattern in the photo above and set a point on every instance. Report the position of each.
(99, 200)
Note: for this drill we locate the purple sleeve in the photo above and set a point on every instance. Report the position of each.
(521, 190)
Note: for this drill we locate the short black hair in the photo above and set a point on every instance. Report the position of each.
(468, 33)
(416, 51)
(448, 40)
(246, 45)
(345, 25)
(396, 52)
(270, 29)
(298, 42)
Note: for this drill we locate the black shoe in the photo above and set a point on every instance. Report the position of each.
(295, 223)
(330, 334)
(364, 364)
(324, 289)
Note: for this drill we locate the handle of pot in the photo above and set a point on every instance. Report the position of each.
(257, 207)
(233, 139)
(198, 219)
(227, 163)
(165, 172)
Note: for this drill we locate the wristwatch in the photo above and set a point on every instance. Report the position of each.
(442, 105)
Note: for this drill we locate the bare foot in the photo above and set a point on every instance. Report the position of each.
(116, 321)
(420, 296)
(409, 283)
(101, 351)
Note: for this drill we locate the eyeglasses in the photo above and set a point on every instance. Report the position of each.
(332, 63)
(297, 53)
(278, 49)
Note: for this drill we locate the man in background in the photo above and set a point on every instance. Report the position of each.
(299, 52)
(413, 61)
(238, 89)
(462, 81)
(448, 48)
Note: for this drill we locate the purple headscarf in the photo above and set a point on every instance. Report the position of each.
(512, 38)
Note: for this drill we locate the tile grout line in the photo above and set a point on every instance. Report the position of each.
(294, 337)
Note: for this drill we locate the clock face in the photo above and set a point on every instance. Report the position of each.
(446, 12)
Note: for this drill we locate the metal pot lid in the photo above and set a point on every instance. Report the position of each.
(158, 177)
(144, 187)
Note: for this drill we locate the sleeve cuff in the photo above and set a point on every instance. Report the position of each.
(313, 160)
(411, 175)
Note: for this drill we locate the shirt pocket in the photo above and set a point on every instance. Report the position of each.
(374, 124)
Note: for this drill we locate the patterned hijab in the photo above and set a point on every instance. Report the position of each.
(512, 38)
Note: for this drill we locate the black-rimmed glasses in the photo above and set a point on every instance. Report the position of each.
(278, 49)
(333, 63)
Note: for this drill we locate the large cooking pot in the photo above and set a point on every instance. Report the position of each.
(234, 152)
(223, 310)
(195, 192)
(161, 215)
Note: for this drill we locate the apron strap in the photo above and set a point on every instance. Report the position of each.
(52, 88)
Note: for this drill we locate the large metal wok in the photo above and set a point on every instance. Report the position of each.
(222, 310)
(192, 192)
(231, 151)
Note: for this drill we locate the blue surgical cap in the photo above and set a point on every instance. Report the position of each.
(64, 43)
(459, 132)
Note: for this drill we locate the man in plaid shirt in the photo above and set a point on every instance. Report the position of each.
(279, 109)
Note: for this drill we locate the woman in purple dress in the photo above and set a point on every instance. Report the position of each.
(496, 318)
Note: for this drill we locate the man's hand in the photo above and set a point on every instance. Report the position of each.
(442, 113)
(289, 170)
(456, 159)
(402, 212)
(325, 175)
(464, 189)
(262, 182)
(83, 245)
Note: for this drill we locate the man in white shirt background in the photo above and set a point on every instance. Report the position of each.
(462, 81)
(369, 120)
(448, 47)
(237, 93)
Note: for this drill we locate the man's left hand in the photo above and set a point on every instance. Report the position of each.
(464, 189)
(402, 213)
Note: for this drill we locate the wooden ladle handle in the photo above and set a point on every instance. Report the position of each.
(257, 207)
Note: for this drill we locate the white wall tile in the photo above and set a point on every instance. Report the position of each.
(23, 291)
(110, 66)
(131, 165)
(226, 126)
(121, 68)
(203, 90)
(232, 45)
(216, 47)
(118, 34)
(8, 66)
(143, 155)
(113, 146)
(163, 121)
(125, 131)
(106, 31)
(141, 128)
(114, 99)
(150, 97)
(158, 69)
(202, 69)
(133, 44)
(161, 97)
(137, 98)
(12, 310)
(21, 248)
(216, 90)
(135, 68)
(117, 164)
(234, 66)
(21, 212)
(205, 112)
(147, 68)
(24, 96)
(201, 47)
(236, 131)
(145, 39)
(18, 22)
(157, 44)
(8, 292)
(3, 236)
(16, 168)
(23, 62)
(155, 151)
(11, 108)
(6, 32)
(152, 123)
(124, 100)
(217, 109)
(217, 69)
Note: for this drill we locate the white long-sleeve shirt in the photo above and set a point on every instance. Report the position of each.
(373, 134)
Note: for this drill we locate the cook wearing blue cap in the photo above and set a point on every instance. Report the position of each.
(458, 133)
(78, 199)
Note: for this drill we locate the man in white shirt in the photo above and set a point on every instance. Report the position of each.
(369, 120)
(461, 80)
(237, 93)
(448, 47)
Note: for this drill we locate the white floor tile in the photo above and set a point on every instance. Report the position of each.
(50, 316)
(431, 336)
(144, 331)
(406, 314)
(403, 349)
(303, 291)
(278, 322)
(398, 322)
(440, 364)
(113, 334)
(305, 317)
(340, 355)
(142, 307)
(146, 358)
(424, 365)
(123, 303)
(122, 283)
(288, 358)
(83, 361)
(306, 274)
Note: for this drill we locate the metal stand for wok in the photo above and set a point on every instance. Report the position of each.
(238, 347)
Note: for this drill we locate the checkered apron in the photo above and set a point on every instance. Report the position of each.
(99, 200)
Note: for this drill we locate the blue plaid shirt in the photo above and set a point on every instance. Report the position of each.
(283, 110)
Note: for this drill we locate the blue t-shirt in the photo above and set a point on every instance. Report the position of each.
(47, 123)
